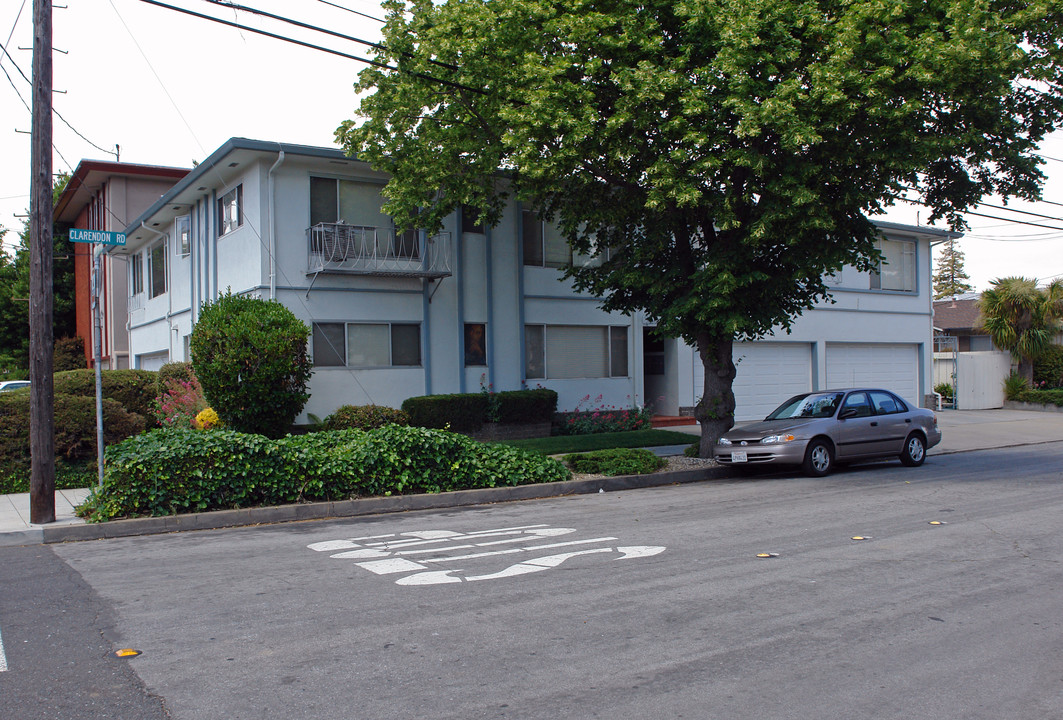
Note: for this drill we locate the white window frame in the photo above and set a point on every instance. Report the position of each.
(182, 232)
(231, 210)
(136, 274)
(617, 364)
(343, 354)
(902, 279)
(540, 259)
(156, 249)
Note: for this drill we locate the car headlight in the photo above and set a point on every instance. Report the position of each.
(723, 441)
(772, 439)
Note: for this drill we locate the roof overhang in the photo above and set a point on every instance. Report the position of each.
(91, 175)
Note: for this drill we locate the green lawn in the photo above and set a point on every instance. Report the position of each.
(603, 441)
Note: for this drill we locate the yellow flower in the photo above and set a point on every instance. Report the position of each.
(208, 419)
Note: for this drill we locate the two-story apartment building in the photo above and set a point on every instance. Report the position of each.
(105, 195)
(396, 314)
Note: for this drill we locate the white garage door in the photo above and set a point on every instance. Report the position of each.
(152, 361)
(768, 373)
(893, 367)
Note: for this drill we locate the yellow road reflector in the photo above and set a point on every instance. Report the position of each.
(126, 653)
(767, 555)
(861, 537)
(938, 522)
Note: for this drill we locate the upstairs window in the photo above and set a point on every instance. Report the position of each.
(183, 232)
(896, 270)
(544, 246)
(230, 210)
(157, 268)
(471, 222)
(136, 274)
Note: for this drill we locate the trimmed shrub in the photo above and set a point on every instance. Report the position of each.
(467, 412)
(177, 470)
(179, 371)
(364, 417)
(68, 354)
(527, 406)
(1044, 397)
(1048, 369)
(618, 461)
(251, 359)
(75, 434)
(462, 412)
(135, 390)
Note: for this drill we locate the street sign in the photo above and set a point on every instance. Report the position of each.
(103, 237)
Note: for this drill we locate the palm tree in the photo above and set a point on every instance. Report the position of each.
(1022, 318)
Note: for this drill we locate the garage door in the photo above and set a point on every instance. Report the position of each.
(893, 367)
(767, 374)
(152, 361)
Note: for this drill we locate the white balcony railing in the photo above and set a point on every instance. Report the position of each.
(365, 250)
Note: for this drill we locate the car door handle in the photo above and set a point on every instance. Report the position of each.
(907, 420)
(874, 424)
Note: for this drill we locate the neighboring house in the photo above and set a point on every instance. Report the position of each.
(959, 317)
(105, 195)
(396, 314)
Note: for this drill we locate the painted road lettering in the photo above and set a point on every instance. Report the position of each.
(421, 556)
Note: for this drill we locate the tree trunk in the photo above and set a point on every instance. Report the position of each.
(715, 409)
(1025, 370)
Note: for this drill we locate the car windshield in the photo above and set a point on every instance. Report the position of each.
(814, 405)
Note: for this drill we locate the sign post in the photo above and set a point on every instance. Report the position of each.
(97, 238)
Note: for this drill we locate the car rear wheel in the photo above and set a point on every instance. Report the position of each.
(819, 458)
(914, 452)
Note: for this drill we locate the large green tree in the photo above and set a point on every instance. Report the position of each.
(15, 292)
(949, 276)
(721, 156)
(1022, 317)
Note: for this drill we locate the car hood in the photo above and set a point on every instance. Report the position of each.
(757, 430)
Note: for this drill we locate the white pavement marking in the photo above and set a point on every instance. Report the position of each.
(3, 657)
(383, 554)
(387, 567)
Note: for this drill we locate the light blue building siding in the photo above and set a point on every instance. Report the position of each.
(395, 314)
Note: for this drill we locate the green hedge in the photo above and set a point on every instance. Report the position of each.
(75, 436)
(364, 417)
(1044, 397)
(1048, 368)
(617, 461)
(527, 406)
(178, 470)
(467, 412)
(460, 412)
(135, 390)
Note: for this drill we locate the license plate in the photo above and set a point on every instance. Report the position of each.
(738, 456)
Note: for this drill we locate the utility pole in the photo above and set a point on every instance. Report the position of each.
(42, 389)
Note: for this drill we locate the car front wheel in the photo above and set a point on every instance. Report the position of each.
(819, 458)
(914, 452)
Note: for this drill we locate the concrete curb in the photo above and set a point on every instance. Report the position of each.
(349, 508)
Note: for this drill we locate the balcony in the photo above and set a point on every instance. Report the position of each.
(342, 249)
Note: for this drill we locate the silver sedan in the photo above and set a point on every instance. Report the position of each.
(818, 429)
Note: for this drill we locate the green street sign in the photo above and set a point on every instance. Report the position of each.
(103, 237)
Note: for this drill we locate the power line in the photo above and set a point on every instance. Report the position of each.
(56, 112)
(326, 31)
(311, 46)
(356, 12)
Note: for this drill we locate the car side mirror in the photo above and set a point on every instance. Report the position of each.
(847, 413)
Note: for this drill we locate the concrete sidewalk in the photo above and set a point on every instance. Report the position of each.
(962, 431)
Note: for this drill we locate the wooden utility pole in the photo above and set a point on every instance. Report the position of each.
(42, 393)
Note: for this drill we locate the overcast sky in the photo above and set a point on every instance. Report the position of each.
(169, 89)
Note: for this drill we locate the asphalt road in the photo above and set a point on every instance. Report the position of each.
(641, 604)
